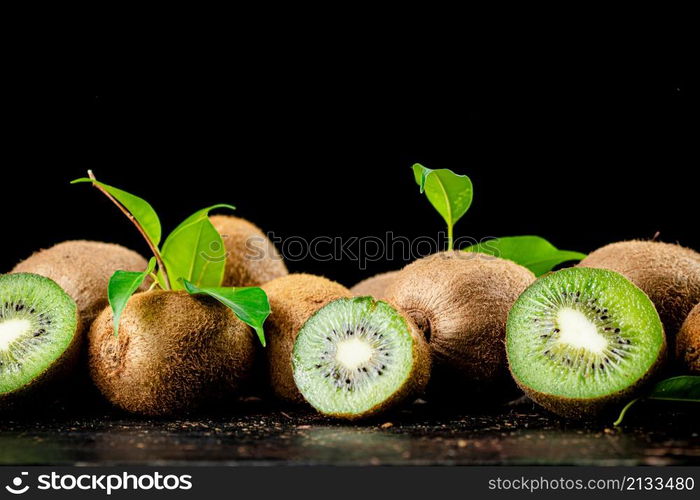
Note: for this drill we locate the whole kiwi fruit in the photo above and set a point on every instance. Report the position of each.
(83, 269)
(688, 342)
(460, 301)
(251, 258)
(293, 300)
(669, 274)
(173, 353)
(374, 286)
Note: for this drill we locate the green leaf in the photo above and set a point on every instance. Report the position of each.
(138, 207)
(683, 389)
(249, 304)
(195, 251)
(122, 286)
(449, 193)
(533, 252)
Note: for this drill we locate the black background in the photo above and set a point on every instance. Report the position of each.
(582, 148)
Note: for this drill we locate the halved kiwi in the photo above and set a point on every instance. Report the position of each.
(38, 333)
(355, 358)
(580, 340)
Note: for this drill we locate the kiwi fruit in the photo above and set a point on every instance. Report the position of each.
(460, 302)
(83, 270)
(251, 258)
(374, 286)
(580, 341)
(356, 358)
(688, 342)
(39, 335)
(174, 352)
(669, 274)
(293, 299)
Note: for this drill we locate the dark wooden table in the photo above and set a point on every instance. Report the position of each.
(255, 434)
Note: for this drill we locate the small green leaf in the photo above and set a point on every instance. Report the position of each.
(681, 389)
(122, 286)
(449, 193)
(138, 207)
(533, 252)
(249, 304)
(195, 251)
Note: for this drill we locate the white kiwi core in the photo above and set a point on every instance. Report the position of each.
(11, 330)
(353, 353)
(579, 332)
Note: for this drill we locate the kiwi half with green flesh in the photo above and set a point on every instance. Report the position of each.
(251, 258)
(356, 358)
(173, 353)
(293, 299)
(39, 335)
(460, 301)
(669, 274)
(688, 342)
(83, 270)
(580, 340)
(375, 286)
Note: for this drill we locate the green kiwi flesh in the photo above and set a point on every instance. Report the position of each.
(38, 329)
(357, 357)
(579, 340)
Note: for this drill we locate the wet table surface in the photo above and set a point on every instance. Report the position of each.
(255, 434)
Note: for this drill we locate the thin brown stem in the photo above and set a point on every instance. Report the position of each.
(136, 223)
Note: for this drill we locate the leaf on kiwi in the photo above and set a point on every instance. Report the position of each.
(142, 211)
(532, 252)
(683, 389)
(449, 193)
(195, 251)
(249, 304)
(122, 286)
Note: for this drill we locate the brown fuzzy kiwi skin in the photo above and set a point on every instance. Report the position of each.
(460, 301)
(251, 258)
(59, 371)
(592, 409)
(414, 385)
(83, 270)
(293, 300)
(374, 286)
(669, 274)
(173, 353)
(688, 342)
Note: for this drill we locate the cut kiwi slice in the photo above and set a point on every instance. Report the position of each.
(38, 324)
(357, 357)
(581, 339)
